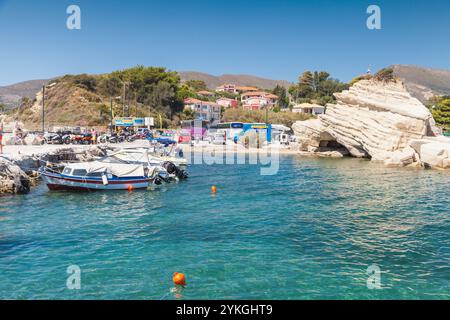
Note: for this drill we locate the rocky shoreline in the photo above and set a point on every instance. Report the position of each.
(13, 180)
(19, 173)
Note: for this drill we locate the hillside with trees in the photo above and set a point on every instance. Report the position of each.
(316, 87)
(283, 98)
(85, 100)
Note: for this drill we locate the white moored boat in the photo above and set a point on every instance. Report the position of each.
(99, 175)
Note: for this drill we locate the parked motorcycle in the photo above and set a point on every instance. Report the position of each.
(52, 138)
(66, 137)
(130, 138)
(76, 138)
(108, 138)
(87, 139)
(103, 138)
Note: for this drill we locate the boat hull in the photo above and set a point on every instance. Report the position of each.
(61, 182)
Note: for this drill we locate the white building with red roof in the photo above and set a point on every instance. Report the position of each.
(227, 103)
(230, 88)
(205, 110)
(256, 100)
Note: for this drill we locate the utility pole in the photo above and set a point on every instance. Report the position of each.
(123, 99)
(43, 109)
(160, 121)
(111, 115)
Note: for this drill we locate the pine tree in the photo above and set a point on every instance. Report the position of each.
(441, 112)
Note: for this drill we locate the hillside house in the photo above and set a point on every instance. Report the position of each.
(204, 110)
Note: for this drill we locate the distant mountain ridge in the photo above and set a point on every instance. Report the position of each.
(421, 82)
(12, 94)
(424, 83)
(239, 79)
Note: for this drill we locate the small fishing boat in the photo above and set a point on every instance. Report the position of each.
(98, 175)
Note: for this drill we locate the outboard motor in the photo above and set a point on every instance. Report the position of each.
(171, 168)
(158, 180)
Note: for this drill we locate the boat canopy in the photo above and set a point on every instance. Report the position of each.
(137, 155)
(117, 169)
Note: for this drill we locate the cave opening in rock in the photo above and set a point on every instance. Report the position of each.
(331, 145)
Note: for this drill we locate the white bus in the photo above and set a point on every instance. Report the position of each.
(232, 129)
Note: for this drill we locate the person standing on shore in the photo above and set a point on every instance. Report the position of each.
(1, 137)
(94, 136)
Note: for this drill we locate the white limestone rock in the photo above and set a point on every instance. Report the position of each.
(310, 133)
(435, 153)
(401, 158)
(378, 120)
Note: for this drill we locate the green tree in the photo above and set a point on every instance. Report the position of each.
(283, 100)
(84, 81)
(161, 97)
(306, 79)
(359, 78)
(197, 85)
(185, 91)
(154, 87)
(316, 87)
(111, 86)
(25, 100)
(441, 111)
(386, 75)
(187, 114)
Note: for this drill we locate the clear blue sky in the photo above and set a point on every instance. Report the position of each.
(271, 38)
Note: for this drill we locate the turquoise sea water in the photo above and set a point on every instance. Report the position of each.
(309, 232)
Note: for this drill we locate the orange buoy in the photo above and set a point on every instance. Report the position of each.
(214, 189)
(130, 188)
(179, 279)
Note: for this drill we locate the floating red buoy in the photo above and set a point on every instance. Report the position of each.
(130, 188)
(214, 189)
(179, 279)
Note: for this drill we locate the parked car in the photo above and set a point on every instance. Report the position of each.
(185, 138)
(284, 138)
(77, 130)
(218, 138)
